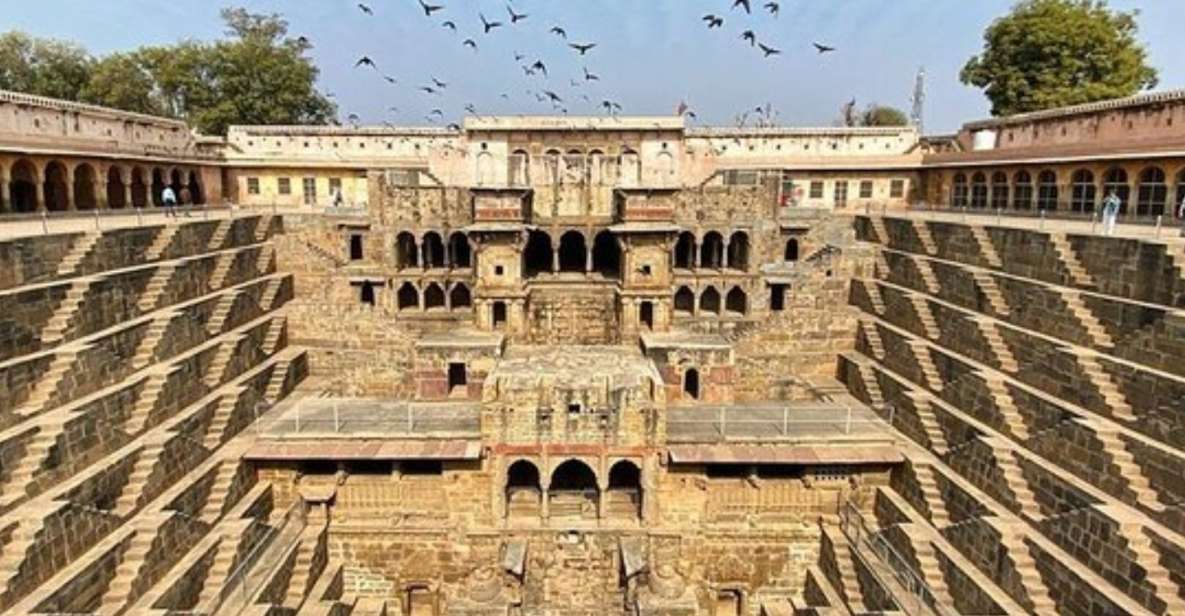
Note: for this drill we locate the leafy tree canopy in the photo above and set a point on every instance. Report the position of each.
(883, 115)
(255, 76)
(1053, 53)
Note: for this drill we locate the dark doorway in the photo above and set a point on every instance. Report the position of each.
(523, 490)
(55, 187)
(433, 297)
(407, 298)
(738, 251)
(459, 297)
(606, 255)
(499, 315)
(684, 301)
(355, 247)
(23, 187)
(646, 315)
(573, 252)
(791, 249)
(685, 251)
(691, 383)
(433, 250)
(458, 381)
(709, 301)
(367, 293)
(712, 251)
(407, 254)
(777, 297)
(116, 195)
(537, 257)
(459, 251)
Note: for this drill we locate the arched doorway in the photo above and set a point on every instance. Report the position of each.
(499, 315)
(573, 492)
(459, 297)
(631, 168)
(1115, 181)
(623, 499)
(709, 301)
(958, 191)
(196, 195)
(116, 192)
(520, 168)
(712, 251)
(407, 297)
(791, 253)
(1022, 191)
(606, 255)
(459, 253)
(979, 190)
(524, 492)
(685, 251)
(738, 251)
(22, 187)
(999, 190)
(55, 188)
(537, 256)
(84, 187)
(691, 384)
(736, 303)
(433, 250)
(684, 301)
(140, 197)
(158, 186)
(433, 297)
(573, 252)
(1047, 191)
(1152, 193)
(646, 315)
(407, 254)
(1082, 191)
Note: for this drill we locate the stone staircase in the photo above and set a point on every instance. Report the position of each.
(874, 296)
(921, 307)
(275, 386)
(156, 287)
(133, 490)
(1147, 557)
(146, 350)
(1116, 402)
(275, 330)
(1078, 274)
(223, 263)
(929, 422)
(875, 344)
(32, 459)
(78, 252)
(926, 271)
(221, 418)
(991, 291)
(226, 351)
(849, 581)
(146, 402)
(921, 352)
(261, 228)
(1005, 405)
(270, 292)
(1094, 328)
(302, 571)
(221, 312)
(876, 397)
(119, 591)
(1125, 464)
(939, 516)
(55, 329)
(263, 262)
(49, 381)
(161, 243)
(986, 248)
(23, 537)
(924, 236)
(218, 239)
(1026, 500)
(878, 227)
(221, 568)
(1005, 360)
(223, 480)
(928, 565)
(1012, 538)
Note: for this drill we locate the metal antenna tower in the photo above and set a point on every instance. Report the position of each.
(919, 100)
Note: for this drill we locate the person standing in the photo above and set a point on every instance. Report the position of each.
(169, 199)
(1111, 207)
(1181, 209)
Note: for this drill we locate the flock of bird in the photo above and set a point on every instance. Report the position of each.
(536, 69)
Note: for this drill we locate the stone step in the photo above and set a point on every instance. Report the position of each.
(929, 567)
(924, 236)
(216, 501)
(55, 329)
(1085, 316)
(216, 433)
(119, 591)
(156, 287)
(218, 239)
(926, 271)
(1017, 484)
(1147, 557)
(921, 352)
(939, 515)
(78, 252)
(990, 330)
(1125, 464)
(49, 381)
(874, 339)
(986, 247)
(1012, 538)
(1117, 403)
(1014, 421)
(145, 403)
(1078, 274)
(34, 456)
(222, 266)
(925, 316)
(216, 371)
(929, 421)
(878, 226)
(991, 291)
(221, 313)
(133, 490)
(161, 243)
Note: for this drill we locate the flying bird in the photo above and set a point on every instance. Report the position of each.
(450, 25)
(365, 60)
(589, 76)
(303, 41)
(454, 126)
(515, 17)
(610, 106)
(552, 96)
(540, 66)
(438, 83)
(471, 109)
(528, 71)
(713, 21)
(353, 118)
(823, 48)
(436, 112)
(769, 51)
(518, 57)
(470, 43)
(393, 109)
(748, 35)
(583, 48)
(429, 9)
(559, 32)
(365, 9)
(427, 89)
(744, 4)
(391, 80)
(773, 8)
(489, 25)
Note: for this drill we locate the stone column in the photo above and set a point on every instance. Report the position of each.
(697, 256)
(420, 303)
(127, 192)
(39, 195)
(448, 297)
(70, 205)
(724, 255)
(555, 258)
(423, 254)
(545, 504)
(588, 259)
(5, 192)
(101, 194)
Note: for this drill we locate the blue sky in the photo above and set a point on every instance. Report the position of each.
(651, 54)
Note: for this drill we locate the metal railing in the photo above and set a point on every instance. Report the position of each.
(244, 582)
(106, 218)
(862, 537)
(1157, 222)
(757, 424)
(336, 420)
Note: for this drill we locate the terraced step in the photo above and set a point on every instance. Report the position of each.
(78, 252)
(1094, 328)
(119, 591)
(133, 490)
(1026, 500)
(146, 350)
(1116, 402)
(146, 402)
(1014, 421)
(1147, 556)
(156, 287)
(222, 266)
(986, 247)
(1125, 464)
(221, 312)
(925, 316)
(218, 239)
(939, 515)
(219, 490)
(878, 227)
(1065, 252)
(929, 566)
(929, 421)
(161, 243)
(849, 582)
(33, 458)
(226, 351)
(990, 330)
(991, 291)
(55, 329)
(1012, 538)
(215, 435)
(49, 381)
(926, 271)
(874, 339)
(924, 236)
(930, 374)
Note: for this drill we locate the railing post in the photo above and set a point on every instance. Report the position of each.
(1094, 221)
(1159, 221)
(723, 425)
(409, 423)
(45, 222)
(999, 217)
(785, 421)
(336, 421)
(297, 418)
(97, 227)
(847, 429)
(1042, 220)
(139, 217)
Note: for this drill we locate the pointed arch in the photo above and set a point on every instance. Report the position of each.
(791, 253)
(433, 297)
(685, 251)
(606, 254)
(573, 252)
(84, 187)
(538, 255)
(709, 301)
(684, 301)
(736, 302)
(407, 298)
(460, 255)
(459, 297)
(738, 251)
(55, 187)
(433, 247)
(407, 253)
(712, 251)
(22, 186)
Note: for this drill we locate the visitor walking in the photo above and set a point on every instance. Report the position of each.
(1181, 213)
(169, 199)
(1110, 212)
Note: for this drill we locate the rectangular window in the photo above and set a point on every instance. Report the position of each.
(309, 186)
(284, 186)
(777, 297)
(335, 185)
(816, 190)
(897, 189)
(866, 189)
(252, 186)
(841, 194)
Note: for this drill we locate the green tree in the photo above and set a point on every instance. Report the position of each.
(122, 81)
(883, 115)
(1052, 53)
(43, 66)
